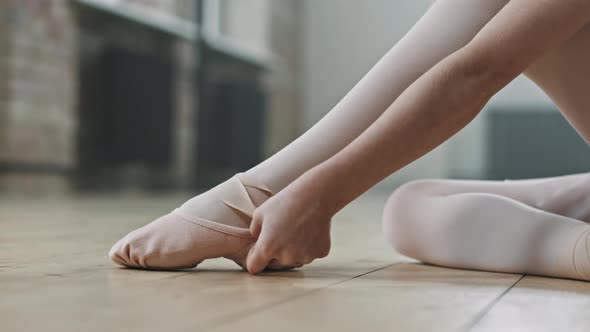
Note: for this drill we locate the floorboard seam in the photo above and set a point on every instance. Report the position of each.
(248, 312)
(471, 324)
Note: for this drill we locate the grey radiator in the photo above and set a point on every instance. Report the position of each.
(529, 144)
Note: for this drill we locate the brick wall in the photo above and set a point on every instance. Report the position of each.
(40, 42)
(38, 64)
(4, 53)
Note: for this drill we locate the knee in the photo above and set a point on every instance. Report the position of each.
(400, 215)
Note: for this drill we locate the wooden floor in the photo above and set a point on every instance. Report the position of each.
(54, 276)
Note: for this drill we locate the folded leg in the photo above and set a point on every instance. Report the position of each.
(567, 195)
(494, 226)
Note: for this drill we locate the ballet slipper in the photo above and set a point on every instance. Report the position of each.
(182, 239)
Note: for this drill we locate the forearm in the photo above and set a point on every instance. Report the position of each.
(430, 111)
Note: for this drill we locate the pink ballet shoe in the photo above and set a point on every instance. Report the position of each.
(182, 240)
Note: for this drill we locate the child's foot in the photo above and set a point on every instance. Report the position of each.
(213, 224)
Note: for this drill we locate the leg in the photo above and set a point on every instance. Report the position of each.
(567, 195)
(492, 222)
(564, 74)
(181, 239)
(517, 227)
(432, 39)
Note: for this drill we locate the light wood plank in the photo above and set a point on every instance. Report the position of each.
(402, 297)
(55, 275)
(541, 304)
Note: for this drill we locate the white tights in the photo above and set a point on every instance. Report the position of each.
(535, 226)
(434, 37)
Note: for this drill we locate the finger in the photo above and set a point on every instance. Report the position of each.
(283, 268)
(256, 227)
(288, 258)
(257, 260)
(307, 260)
(276, 265)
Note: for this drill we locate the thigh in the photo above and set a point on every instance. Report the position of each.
(567, 195)
(564, 74)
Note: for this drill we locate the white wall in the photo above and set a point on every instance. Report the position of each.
(247, 23)
(342, 39)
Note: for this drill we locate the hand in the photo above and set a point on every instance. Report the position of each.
(292, 229)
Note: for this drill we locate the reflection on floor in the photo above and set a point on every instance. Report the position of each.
(54, 276)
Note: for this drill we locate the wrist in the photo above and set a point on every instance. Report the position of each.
(328, 186)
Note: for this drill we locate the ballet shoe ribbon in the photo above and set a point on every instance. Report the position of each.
(222, 228)
(237, 198)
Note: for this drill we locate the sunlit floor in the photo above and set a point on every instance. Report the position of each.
(54, 276)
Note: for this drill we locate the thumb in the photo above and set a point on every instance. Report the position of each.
(256, 226)
(257, 260)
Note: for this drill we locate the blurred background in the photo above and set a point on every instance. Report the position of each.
(153, 95)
